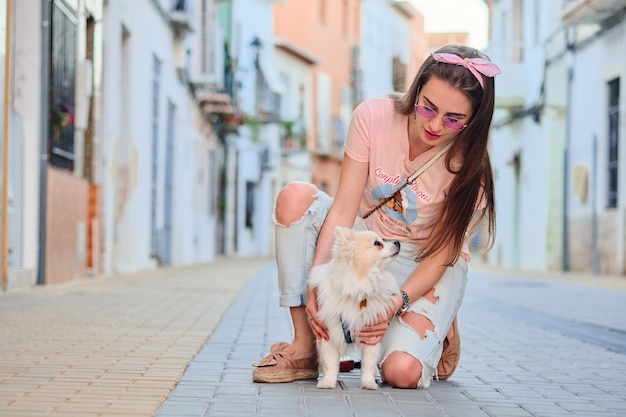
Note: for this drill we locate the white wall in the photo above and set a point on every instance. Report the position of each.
(127, 153)
(594, 65)
(589, 107)
(531, 218)
(504, 251)
(529, 202)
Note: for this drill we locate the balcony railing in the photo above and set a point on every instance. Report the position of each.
(180, 17)
(590, 11)
(293, 137)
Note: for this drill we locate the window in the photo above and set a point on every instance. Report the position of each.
(179, 5)
(64, 32)
(156, 88)
(213, 184)
(165, 252)
(266, 100)
(613, 145)
(250, 186)
(324, 90)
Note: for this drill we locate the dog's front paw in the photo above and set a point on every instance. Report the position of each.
(368, 383)
(327, 383)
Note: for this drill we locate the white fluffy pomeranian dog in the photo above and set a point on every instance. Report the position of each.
(353, 290)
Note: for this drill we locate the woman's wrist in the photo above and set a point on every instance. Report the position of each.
(406, 303)
(396, 304)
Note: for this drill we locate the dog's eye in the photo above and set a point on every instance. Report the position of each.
(377, 243)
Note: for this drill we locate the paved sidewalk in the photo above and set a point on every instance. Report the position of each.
(180, 341)
(114, 346)
(522, 356)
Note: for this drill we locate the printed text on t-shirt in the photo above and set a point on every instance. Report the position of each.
(421, 194)
(380, 174)
(386, 178)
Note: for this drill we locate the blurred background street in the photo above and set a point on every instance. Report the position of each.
(144, 143)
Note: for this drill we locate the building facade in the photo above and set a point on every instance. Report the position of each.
(556, 136)
(527, 137)
(158, 132)
(595, 175)
(376, 48)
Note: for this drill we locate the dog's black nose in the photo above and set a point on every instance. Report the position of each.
(396, 243)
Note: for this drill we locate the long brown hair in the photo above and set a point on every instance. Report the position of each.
(474, 177)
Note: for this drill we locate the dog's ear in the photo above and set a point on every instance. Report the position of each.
(344, 234)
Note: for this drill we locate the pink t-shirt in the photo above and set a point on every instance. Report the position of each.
(378, 135)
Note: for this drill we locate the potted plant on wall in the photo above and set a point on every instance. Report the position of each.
(62, 118)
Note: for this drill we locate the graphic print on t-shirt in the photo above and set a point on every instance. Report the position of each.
(402, 206)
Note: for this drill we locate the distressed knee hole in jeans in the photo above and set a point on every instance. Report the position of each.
(294, 202)
(418, 320)
(420, 332)
(298, 220)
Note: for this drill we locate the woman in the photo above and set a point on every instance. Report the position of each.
(449, 105)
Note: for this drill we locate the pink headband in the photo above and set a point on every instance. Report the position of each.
(475, 65)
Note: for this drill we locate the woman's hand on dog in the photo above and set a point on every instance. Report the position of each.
(319, 329)
(372, 334)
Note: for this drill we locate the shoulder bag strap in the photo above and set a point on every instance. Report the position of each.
(412, 178)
